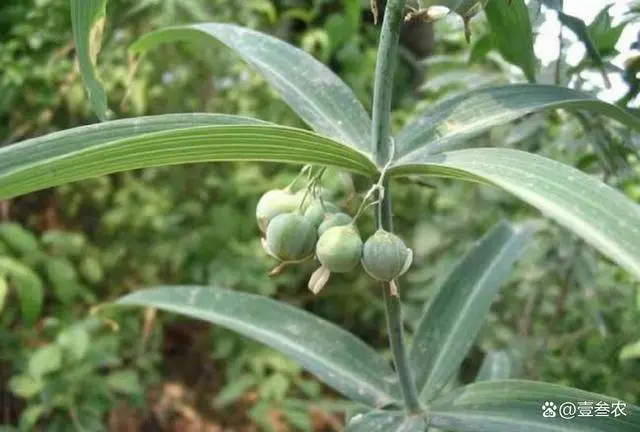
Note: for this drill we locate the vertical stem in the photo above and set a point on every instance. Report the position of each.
(558, 71)
(395, 330)
(383, 86)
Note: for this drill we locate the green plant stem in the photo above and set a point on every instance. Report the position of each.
(393, 312)
(383, 86)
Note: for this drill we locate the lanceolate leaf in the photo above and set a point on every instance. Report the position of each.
(598, 213)
(577, 26)
(452, 320)
(91, 151)
(512, 33)
(515, 405)
(454, 120)
(387, 421)
(87, 19)
(497, 365)
(584, 33)
(604, 35)
(311, 89)
(334, 355)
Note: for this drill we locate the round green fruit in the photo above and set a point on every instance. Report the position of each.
(317, 209)
(385, 256)
(339, 249)
(274, 203)
(334, 220)
(290, 237)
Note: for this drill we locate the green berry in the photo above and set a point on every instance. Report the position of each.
(385, 256)
(317, 209)
(339, 249)
(290, 237)
(272, 204)
(333, 220)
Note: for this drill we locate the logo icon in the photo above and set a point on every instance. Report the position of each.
(549, 409)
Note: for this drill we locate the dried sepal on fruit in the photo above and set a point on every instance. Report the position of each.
(339, 250)
(385, 256)
(273, 203)
(308, 195)
(290, 238)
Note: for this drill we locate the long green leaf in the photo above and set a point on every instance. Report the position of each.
(598, 213)
(497, 365)
(517, 405)
(454, 120)
(452, 320)
(334, 355)
(311, 89)
(108, 147)
(85, 137)
(387, 421)
(512, 33)
(87, 19)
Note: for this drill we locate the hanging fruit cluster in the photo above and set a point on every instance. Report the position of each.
(298, 226)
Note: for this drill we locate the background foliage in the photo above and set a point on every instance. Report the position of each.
(565, 316)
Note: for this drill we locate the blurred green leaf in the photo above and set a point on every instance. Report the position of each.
(19, 239)
(512, 33)
(300, 419)
(267, 8)
(64, 243)
(28, 287)
(63, 277)
(310, 88)
(91, 269)
(601, 215)
(497, 365)
(234, 390)
(514, 405)
(274, 388)
(91, 151)
(125, 382)
(582, 32)
(386, 421)
(75, 341)
(44, 360)
(335, 356)
(630, 351)
(88, 17)
(25, 386)
(451, 321)
(447, 124)
(605, 36)
(30, 416)
(480, 48)
(449, 4)
(4, 290)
